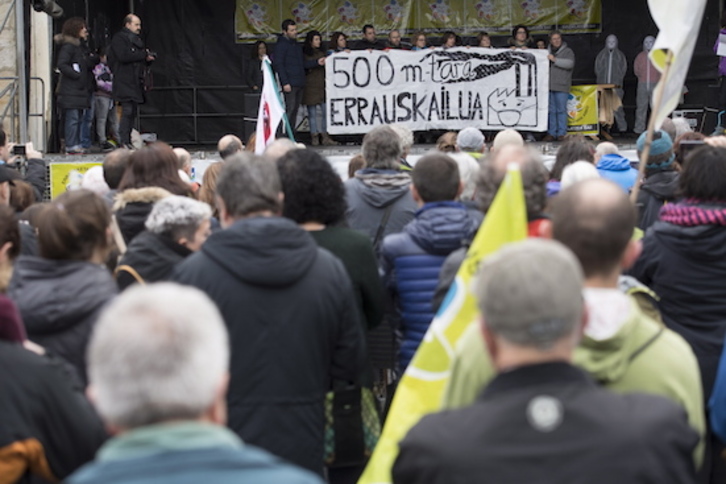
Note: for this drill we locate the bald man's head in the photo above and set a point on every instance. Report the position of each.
(534, 178)
(228, 145)
(595, 219)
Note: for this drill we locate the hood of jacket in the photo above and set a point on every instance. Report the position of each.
(139, 195)
(702, 244)
(562, 48)
(608, 360)
(663, 184)
(614, 162)
(441, 227)
(154, 254)
(264, 251)
(61, 39)
(381, 188)
(53, 295)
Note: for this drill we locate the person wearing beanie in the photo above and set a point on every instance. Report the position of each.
(472, 142)
(661, 178)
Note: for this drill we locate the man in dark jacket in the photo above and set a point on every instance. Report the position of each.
(369, 40)
(127, 58)
(290, 310)
(542, 419)
(290, 65)
(412, 258)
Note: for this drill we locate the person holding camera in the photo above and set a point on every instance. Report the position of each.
(128, 58)
(25, 158)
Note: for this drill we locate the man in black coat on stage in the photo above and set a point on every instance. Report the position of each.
(128, 58)
(541, 419)
(289, 308)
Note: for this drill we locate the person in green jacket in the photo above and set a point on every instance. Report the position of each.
(622, 348)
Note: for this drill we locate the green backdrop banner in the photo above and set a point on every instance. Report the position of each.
(261, 19)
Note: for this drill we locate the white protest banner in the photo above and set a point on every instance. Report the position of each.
(488, 89)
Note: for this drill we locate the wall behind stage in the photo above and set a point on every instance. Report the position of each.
(195, 40)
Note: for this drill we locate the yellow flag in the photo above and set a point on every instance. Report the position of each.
(421, 387)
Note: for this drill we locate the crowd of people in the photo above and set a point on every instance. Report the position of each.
(254, 327)
(254, 309)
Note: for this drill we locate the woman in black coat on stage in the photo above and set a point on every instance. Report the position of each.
(73, 89)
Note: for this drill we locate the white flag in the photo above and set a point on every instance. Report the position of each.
(678, 22)
(271, 111)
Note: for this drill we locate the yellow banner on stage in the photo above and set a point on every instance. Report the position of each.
(421, 388)
(261, 19)
(67, 176)
(582, 110)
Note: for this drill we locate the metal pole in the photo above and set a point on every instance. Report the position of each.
(22, 76)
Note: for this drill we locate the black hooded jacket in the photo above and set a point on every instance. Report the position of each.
(686, 267)
(152, 256)
(293, 324)
(658, 189)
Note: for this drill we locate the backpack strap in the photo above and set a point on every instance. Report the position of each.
(130, 270)
(645, 345)
(382, 226)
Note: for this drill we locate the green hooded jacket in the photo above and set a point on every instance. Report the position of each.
(643, 356)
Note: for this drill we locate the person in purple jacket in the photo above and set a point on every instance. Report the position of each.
(105, 107)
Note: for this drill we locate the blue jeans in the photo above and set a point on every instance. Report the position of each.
(312, 111)
(557, 115)
(106, 116)
(73, 128)
(86, 124)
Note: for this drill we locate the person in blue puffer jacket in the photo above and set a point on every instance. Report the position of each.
(412, 259)
(613, 166)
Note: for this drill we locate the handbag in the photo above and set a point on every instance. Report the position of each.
(352, 426)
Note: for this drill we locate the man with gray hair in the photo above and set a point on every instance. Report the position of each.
(379, 199)
(158, 366)
(290, 310)
(541, 416)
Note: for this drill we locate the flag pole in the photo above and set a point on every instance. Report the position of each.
(651, 125)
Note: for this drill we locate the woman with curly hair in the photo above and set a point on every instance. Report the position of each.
(315, 199)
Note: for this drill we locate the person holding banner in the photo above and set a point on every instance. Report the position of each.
(290, 66)
(418, 39)
(520, 38)
(562, 62)
(314, 92)
(338, 43)
(369, 41)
